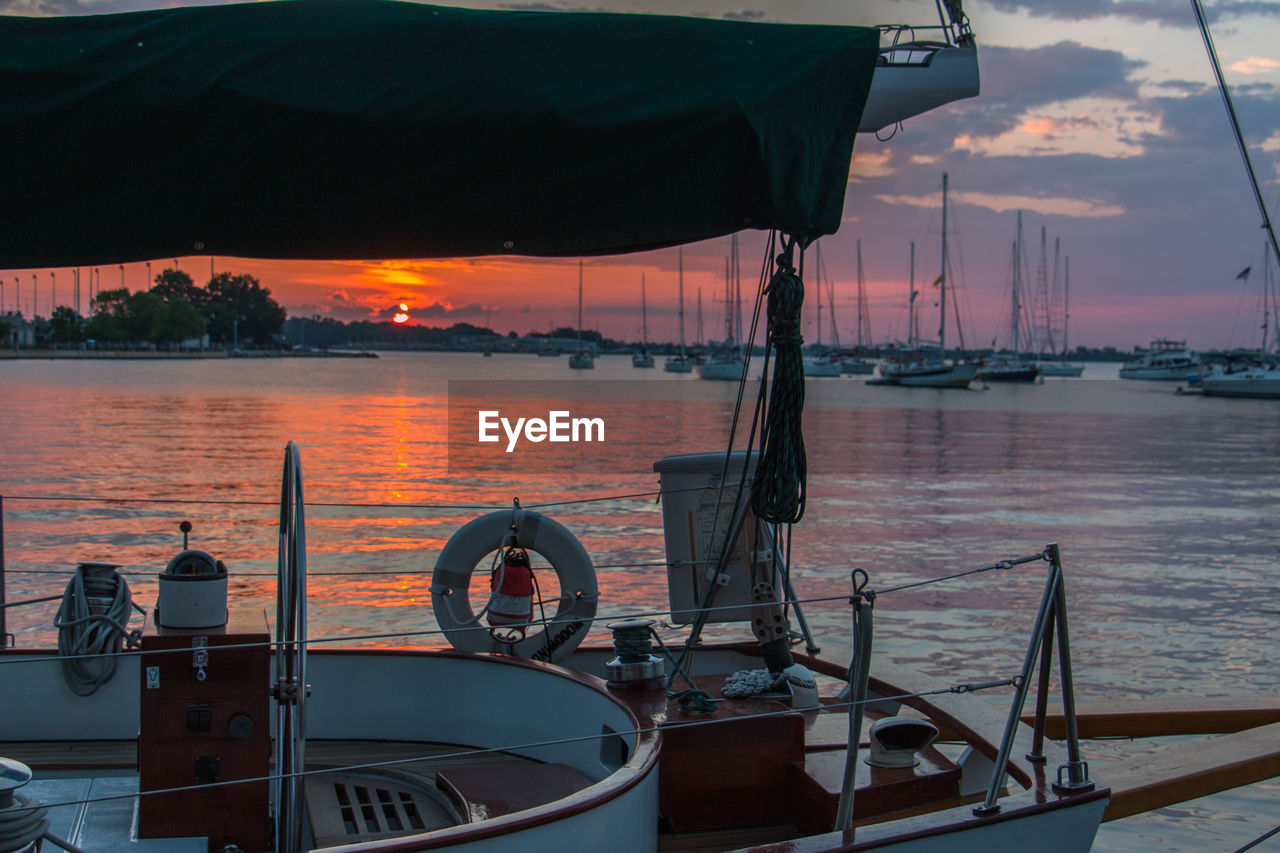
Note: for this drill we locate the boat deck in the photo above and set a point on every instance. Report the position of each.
(378, 789)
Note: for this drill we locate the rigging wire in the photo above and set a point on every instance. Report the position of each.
(619, 617)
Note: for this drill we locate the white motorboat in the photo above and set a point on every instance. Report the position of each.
(1165, 360)
(1258, 380)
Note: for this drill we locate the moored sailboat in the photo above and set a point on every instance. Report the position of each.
(1011, 367)
(680, 363)
(643, 358)
(583, 359)
(929, 367)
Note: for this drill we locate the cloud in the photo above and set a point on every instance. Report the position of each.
(1003, 203)
(1254, 65)
(1160, 12)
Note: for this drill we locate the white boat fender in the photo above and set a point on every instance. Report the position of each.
(521, 528)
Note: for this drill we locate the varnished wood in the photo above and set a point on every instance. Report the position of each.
(1165, 717)
(1184, 771)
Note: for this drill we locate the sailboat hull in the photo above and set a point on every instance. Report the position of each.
(927, 376)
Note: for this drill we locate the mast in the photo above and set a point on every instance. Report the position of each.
(831, 309)
(912, 293)
(737, 292)
(1017, 287)
(942, 277)
(1066, 302)
(681, 275)
(1235, 126)
(579, 304)
(818, 301)
(644, 317)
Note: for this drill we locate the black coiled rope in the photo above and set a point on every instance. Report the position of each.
(779, 492)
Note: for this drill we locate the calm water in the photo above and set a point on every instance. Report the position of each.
(1164, 507)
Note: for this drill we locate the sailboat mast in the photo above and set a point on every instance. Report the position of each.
(579, 302)
(818, 301)
(644, 315)
(1066, 302)
(911, 297)
(681, 279)
(862, 297)
(1017, 287)
(737, 291)
(942, 278)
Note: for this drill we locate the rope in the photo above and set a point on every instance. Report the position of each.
(779, 492)
(859, 674)
(22, 823)
(88, 642)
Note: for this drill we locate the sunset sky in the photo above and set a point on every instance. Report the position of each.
(1099, 120)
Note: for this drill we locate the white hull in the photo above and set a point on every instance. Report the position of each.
(821, 368)
(1255, 382)
(642, 360)
(1055, 368)
(1160, 374)
(582, 362)
(927, 375)
(857, 367)
(730, 371)
(678, 365)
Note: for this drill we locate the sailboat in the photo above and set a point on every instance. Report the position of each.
(820, 362)
(1261, 377)
(643, 358)
(538, 744)
(1052, 364)
(680, 363)
(727, 361)
(1011, 367)
(582, 359)
(928, 367)
(856, 363)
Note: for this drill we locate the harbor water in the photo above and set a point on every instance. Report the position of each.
(1164, 507)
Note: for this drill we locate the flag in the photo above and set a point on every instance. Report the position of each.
(1244, 273)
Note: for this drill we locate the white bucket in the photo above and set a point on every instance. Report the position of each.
(694, 532)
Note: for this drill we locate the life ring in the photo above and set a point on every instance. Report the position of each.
(451, 579)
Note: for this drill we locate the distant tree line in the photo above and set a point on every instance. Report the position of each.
(230, 309)
(325, 332)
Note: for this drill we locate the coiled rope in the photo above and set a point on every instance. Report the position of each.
(23, 823)
(779, 492)
(90, 642)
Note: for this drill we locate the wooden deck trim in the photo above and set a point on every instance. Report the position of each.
(1165, 717)
(1184, 771)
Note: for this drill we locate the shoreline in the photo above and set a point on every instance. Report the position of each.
(150, 355)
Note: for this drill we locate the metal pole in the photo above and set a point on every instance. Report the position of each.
(1042, 692)
(1077, 769)
(989, 805)
(4, 636)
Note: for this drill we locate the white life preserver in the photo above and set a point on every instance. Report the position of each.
(451, 579)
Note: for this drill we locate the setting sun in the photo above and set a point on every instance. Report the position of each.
(402, 316)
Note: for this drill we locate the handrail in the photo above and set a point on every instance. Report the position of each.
(1051, 620)
(290, 689)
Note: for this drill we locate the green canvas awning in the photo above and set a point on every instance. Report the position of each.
(335, 129)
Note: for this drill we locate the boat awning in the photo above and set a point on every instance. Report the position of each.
(335, 129)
